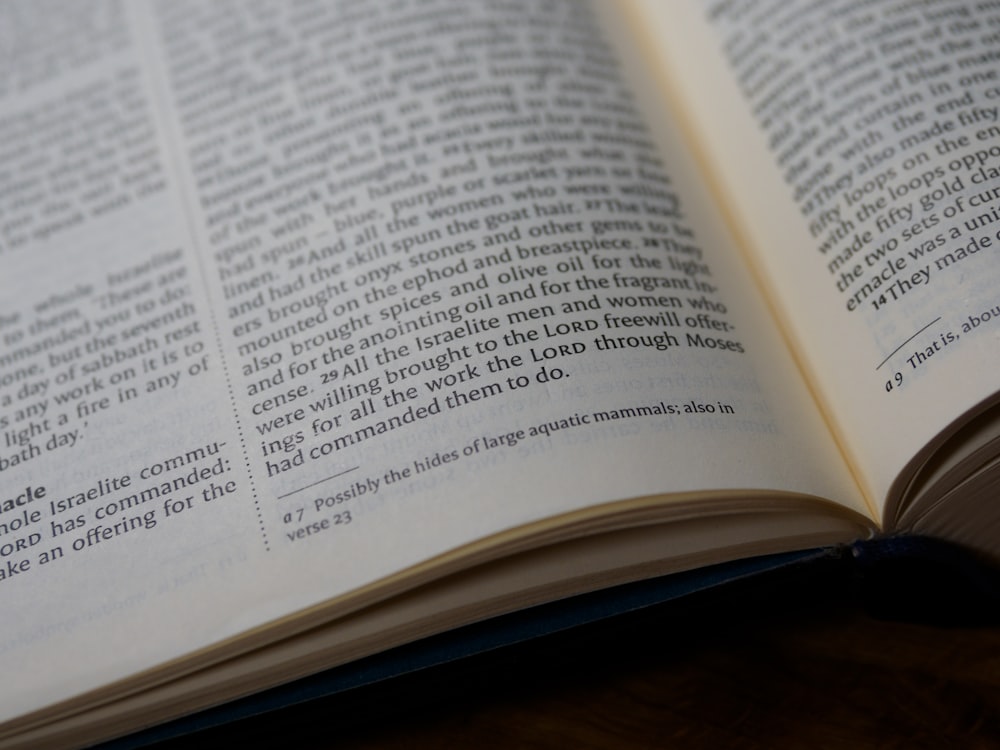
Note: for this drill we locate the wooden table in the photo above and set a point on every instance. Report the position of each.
(791, 662)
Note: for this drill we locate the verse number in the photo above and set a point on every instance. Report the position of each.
(894, 382)
(340, 519)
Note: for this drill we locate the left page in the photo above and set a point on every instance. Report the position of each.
(296, 298)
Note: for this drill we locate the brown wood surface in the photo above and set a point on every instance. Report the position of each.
(796, 664)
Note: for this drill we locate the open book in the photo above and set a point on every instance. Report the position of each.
(328, 326)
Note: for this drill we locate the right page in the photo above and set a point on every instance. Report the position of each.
(856, 149)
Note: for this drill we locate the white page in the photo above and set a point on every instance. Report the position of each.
(272, 156)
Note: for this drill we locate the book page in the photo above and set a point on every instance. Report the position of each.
(858, 149)
(298, 297)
